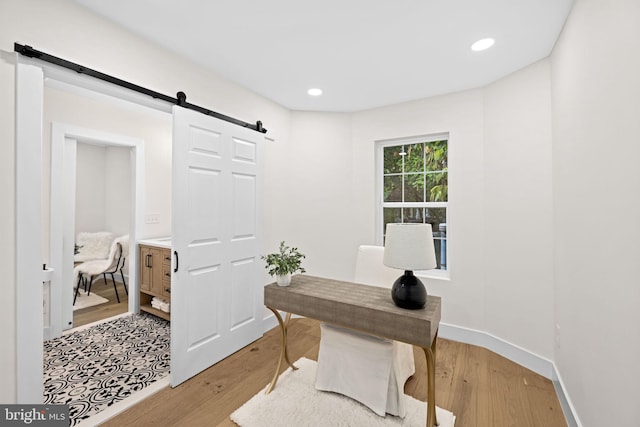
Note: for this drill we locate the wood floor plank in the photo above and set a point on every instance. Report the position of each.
(481, 388)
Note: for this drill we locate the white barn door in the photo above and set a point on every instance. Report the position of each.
(216, 292)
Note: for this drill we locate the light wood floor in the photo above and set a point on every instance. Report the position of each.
(481, 388)
(94, 313)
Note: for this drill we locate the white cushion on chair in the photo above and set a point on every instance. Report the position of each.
(93, 246)
(366, 368)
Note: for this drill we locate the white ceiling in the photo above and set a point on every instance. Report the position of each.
(361, 53)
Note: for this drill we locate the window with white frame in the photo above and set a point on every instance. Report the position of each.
(413, 177)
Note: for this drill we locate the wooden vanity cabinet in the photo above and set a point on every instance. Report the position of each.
(155, 278)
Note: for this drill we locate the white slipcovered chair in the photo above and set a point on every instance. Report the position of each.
(369, 369)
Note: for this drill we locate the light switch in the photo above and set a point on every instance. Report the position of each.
(152, 219)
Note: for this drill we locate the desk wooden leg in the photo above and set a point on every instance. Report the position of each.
(430, 354)
(283, 348)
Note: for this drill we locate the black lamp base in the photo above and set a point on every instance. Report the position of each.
(409, 292)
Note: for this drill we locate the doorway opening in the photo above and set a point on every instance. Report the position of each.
(78, 187)
(102, 215)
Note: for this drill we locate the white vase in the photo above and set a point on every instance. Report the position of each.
(284, 280)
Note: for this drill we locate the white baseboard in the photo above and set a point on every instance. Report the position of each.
(569, 411)
(270, 321)
(516, 354)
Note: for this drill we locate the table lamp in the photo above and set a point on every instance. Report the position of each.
(409, 247)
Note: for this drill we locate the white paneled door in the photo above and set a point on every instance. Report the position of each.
(216, 289)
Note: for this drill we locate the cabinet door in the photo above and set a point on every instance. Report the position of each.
(151, 270)
(156, 271)
(166, 274)
(166, 282)
(146, 275)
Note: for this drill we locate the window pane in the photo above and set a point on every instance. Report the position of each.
(393, 159)
(437, 187)
(414, 158)
(437, 217)
(436, 156)
(392, 188)
(391, 216)
(414, 187)
(413, 215)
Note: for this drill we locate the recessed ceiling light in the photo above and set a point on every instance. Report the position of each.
(315, 91)
(482, 44)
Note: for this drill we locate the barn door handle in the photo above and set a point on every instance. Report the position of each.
(175, 270)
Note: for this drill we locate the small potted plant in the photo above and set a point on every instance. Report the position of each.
(284, 263)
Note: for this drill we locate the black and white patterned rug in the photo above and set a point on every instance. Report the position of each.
(92, 369)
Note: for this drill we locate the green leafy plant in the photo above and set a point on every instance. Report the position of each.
(287, 261)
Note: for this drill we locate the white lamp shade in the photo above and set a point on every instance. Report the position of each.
(409, 247)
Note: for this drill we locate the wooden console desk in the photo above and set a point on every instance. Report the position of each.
(364, 308)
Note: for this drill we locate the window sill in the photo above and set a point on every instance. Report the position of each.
(434, 274)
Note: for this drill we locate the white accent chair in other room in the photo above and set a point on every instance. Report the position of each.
(369, 369)
(115, 262)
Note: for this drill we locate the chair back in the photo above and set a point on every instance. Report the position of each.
(117, 253)
(123, 244)
(370, 269)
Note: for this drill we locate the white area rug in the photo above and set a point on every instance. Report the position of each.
(84, 300)
(296, 402)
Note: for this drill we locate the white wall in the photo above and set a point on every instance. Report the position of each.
(461, 115)
(110, 167)
(118, 190)
(518, 228)
(90, 188)
(499, 135)
(66, 30)
(103, 189)
(500, 201)
(596, 195)
(311, 193)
